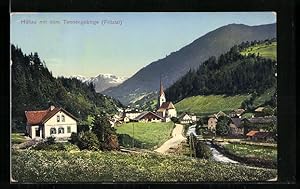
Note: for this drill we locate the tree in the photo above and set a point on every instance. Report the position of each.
(174, 120)
(222, 127)
(85, 140)
(104, 132)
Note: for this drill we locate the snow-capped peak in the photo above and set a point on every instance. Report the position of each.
(102, 81)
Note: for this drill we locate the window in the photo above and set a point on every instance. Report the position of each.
(37, 132)
(62, 118)
(69, 129)
(58, 118)
(61, 130)
(52, 131)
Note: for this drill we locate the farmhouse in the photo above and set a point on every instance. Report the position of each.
(237, 113)
(148, 117)
(166, 110)
(54, 121)
(213, 120)
(131, 114)
(236, 127)
(259, 123)
(186, 118)
(262, 136)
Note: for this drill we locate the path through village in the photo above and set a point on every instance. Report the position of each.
(176, 139)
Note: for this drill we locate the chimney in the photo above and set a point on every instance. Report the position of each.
(52, 107)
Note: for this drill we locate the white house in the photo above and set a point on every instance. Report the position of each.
(131, 114)
(54, 121)
(186, 118)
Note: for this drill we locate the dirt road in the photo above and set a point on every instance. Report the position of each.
(176, 139)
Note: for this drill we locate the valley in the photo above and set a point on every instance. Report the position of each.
(205, 113)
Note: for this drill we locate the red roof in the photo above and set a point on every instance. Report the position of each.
(251, 133)
(41, 116)
(35, 117)
(166, 106)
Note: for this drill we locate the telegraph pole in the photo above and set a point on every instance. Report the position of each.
(132, 135)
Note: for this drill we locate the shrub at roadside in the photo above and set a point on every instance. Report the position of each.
(202, 150)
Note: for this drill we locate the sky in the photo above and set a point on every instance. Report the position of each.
(88, 44)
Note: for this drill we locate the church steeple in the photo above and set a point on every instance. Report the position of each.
(161, 97)
(161, 89)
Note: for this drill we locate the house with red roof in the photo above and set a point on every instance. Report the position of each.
(54, 121)
(166, 110)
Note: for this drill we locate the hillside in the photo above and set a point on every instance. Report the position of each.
(206, 105)
(264, 50)
(230, 74)
(178, 63)
(216, 71)
(34, 88)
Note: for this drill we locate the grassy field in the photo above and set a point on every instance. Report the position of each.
(204, 105)
(264, 50)
(151, 134)
(87, 166)
(17, 138)
(244, 150)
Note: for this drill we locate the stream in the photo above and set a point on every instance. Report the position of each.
(217, 156)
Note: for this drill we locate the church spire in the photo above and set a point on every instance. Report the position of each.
(161, 89)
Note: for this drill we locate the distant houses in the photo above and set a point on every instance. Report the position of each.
(54, 121)
(260, 136)
(259, 123)
(254, 128)
(165, 111)
(148, 116)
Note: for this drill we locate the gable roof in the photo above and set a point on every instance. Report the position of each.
(42, 116)
(239, 111)
(166, 106)
(35, 117)
(263, 134)
(145, 113)
(237, 122)
(251, 133)
(259, 109)
(184, 114)
(220, 113)
(268, 119)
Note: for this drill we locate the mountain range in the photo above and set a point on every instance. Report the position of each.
(175, 65)
(102, 81)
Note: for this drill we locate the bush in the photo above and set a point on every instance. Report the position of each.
(87, 140)
(174, 119)
(50, 140)
(127, 141)
(83, 128)
(202, 150)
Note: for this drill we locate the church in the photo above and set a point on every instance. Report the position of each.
(165, 109)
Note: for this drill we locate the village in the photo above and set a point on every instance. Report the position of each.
(258, 129)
